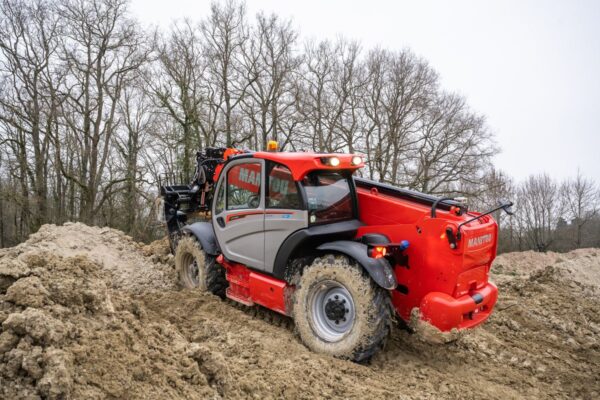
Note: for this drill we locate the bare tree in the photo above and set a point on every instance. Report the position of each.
(224, 35)
(494, 187)
(581, 203)
(102, 48)
(317, 71)
(178, 85)
(453, 148)
(374, 128)
(271, 63)
(348, 83)
(135, 109)
(29, 34)
(397, 102)
(538, 205)
(330, 97)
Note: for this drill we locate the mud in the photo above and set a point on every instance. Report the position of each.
(428, 333)
(89, 313)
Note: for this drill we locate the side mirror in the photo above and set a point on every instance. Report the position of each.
(506, 205)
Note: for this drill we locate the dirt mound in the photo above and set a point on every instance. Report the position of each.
(89, 313)
(579, 267)
(131, 265)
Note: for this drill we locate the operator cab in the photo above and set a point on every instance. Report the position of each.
(263, 199)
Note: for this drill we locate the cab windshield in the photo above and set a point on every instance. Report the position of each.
(328, 197)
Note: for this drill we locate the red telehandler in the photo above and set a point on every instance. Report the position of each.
(297, 233)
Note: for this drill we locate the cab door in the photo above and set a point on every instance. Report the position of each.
(238, 212)
(284, 210)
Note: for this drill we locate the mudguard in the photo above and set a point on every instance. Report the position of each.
(379, 269)
(205, 234)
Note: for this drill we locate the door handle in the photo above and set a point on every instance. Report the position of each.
(221, 222)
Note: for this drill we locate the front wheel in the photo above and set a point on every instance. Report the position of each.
(340, 311)
(196, 269)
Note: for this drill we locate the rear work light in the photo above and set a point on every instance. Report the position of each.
(331, 161)
(357, 160)
(377, 251)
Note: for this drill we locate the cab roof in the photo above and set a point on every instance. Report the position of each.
(301, 163)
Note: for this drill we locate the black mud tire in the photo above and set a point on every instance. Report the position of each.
(371, 319)
(209, 276)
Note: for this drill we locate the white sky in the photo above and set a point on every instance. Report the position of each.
(532, 67)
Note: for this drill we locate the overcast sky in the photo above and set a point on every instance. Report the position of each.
(532, 67)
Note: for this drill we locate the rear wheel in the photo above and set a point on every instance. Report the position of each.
(340, 311)
(196, 269)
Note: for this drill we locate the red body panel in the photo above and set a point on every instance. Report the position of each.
(268, 292)
(441, 281)
(249, 287)
(447, 312)
(299, 163)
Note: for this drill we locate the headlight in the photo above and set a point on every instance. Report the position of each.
(357, 160)
(331, 161)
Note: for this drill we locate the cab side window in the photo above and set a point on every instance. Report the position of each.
(282, 191)
(243, 186)
(220, 199)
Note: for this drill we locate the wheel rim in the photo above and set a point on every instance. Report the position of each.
(333, 310)
(192, 270)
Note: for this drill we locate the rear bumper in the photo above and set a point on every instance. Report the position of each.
(446, 312)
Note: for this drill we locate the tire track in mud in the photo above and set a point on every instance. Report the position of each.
(255, 354)
(264, 314)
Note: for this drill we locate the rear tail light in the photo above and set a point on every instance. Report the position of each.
(377, 251)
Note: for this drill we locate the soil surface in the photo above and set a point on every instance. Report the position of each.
(89, 313)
